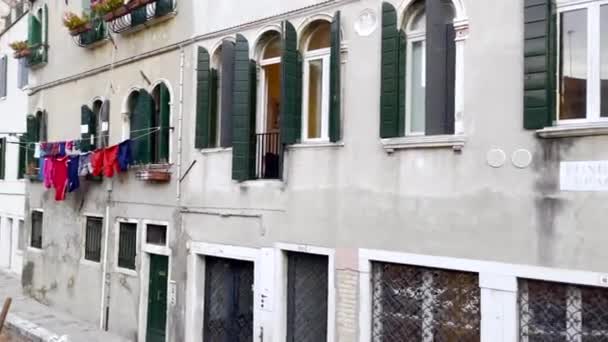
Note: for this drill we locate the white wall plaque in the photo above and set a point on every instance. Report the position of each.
(172, 292)
(584, 176)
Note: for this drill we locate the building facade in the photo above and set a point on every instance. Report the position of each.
(13, 106)
(350, 170)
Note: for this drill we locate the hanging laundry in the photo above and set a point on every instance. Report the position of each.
(60, 177)
(53, 149)
(41, 169)
(37, 152)
(85, 168)
(110, 161)
(97, 162)
(48, 172)
(61, 150)
(73, 168)
(44, 149)
(125, 157)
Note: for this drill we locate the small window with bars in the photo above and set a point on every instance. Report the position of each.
(127, 245)
(423, 304)
(554, 312)
(36, 237)
(92, 239)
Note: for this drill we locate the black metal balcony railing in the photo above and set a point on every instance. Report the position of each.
(154, 11)
(268, 156)
(38, 55)
(94, 36)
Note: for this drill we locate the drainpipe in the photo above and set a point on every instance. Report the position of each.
(104, 273)
(180, 124)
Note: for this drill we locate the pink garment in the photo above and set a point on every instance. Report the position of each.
(48, 172)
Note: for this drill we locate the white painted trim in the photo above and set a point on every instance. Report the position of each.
(258, 50)
(116, 268)
(496, 279)
(144, 239)
(281, 287)
(574, 130)
(455, 142)
(323, 55)
(195, 293)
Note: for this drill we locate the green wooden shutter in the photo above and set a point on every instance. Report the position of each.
(3, 76)
(42, 118)
(252, 118)
(227, 80)
(104, 118)
(46, 26)
(401, 122)
(242, 131)
(22, 156)
(335, 85)
(213, 117)
(32, 138)
(2, 158)
(165, 125)
(141, 122)
(539, 64)
(389, 88)
(289, 85)
(34, 33)
(202, 99)
(88, 129)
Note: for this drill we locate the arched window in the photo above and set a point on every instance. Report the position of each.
(149, 116)
(419, 63)
(269, 83)
(416, 64)
(316, 81)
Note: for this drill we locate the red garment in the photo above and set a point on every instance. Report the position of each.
(60, 177)
(97, 162)
(110, 161)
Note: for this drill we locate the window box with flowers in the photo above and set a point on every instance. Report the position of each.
(20, 48)
(135, 15)
(87, 31)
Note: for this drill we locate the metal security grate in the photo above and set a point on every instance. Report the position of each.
(92, 244)
(127, 245)
(36, 237)
(307, 297)
(228, 300)
(423, 304)
(554, 312)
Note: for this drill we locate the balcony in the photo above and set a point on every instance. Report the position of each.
(139, 14)
(93, 35)
(268, 156)
(38, 56)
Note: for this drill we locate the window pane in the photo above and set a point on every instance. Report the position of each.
(315, 97)
(92, 250)
(604, 60)
(273, 48)
(156, 235)
(417, 119)
(320, 37)
(573, 65)
(36, 236)
(127, 245)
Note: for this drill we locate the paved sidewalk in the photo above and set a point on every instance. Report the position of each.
(36, 322)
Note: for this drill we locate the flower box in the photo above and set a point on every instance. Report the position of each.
(117, 13)
(78, 31)
(22, 53)
(154, 175)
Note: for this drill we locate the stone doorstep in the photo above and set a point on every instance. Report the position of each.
(32, 332)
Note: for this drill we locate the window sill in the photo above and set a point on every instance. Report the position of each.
(263, 183)
(35, 250)
(127, 271)
(574, 130)
(216, 150)
(456, 142)
(90, 263)
(323, 144)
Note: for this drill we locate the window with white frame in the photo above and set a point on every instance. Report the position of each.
(127, 245)
(411, 303)
(558, 312)
(416, 66)
(270, 83)
(316, 101)
(583, 61)
(92, 238)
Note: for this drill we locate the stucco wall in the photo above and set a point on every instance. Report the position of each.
(351, 195)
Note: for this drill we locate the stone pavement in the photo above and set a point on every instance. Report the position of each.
(32, 321)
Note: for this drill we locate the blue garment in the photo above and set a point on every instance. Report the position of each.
(125, 157)
(73, 180)
(61, 149)
(41, 169)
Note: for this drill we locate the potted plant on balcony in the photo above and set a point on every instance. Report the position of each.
(21, 48)
(109, 9)
(76, 24)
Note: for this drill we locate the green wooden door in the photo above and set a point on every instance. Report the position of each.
(157, 298)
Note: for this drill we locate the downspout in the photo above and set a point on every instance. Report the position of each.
(104, 273)
(180, 119)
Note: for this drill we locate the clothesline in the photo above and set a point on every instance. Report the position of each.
(151, 130)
